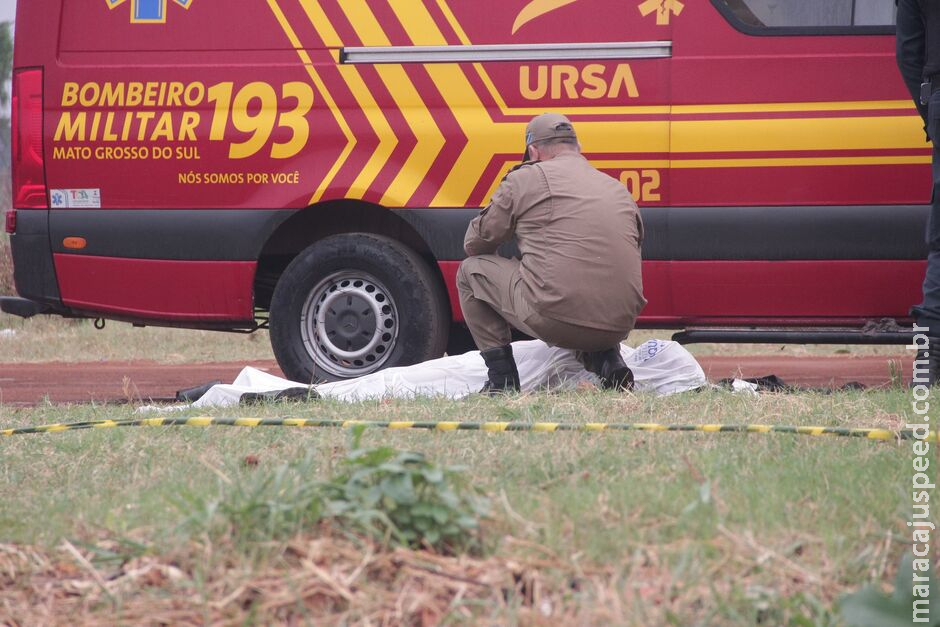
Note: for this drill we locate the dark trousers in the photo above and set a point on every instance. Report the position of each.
(927, 313)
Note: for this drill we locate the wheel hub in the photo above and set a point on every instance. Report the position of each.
(349, 320)
(349, 324)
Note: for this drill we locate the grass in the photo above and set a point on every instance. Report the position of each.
(626, 528)
(47, 338)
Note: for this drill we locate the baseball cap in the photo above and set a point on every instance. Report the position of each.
(547, 126)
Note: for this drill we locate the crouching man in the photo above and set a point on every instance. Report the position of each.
(578, 284)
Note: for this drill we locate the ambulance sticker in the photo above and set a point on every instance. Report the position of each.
(75, 198)
(664, 9)
(148, 11)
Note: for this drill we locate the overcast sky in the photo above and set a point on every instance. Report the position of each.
(7, 10)
(7, 13)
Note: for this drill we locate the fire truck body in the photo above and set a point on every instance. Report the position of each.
(195, 163)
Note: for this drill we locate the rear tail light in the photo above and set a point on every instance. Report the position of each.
(29, 177)
(11, 221)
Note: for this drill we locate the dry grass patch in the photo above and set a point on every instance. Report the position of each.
(331, 578)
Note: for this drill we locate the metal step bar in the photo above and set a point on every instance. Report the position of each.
(793, 336)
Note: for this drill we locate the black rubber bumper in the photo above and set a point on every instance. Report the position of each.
(33, 267)
(22, 307)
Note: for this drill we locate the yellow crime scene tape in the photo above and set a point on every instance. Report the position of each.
(488, 427)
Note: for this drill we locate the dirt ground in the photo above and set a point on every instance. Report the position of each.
(24, 385)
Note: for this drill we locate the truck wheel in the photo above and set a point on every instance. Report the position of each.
(352, 304)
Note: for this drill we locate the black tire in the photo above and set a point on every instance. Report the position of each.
(460, 341)
(355, 303)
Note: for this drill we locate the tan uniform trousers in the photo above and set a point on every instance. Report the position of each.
(492, 297)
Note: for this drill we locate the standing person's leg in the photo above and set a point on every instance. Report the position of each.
(928, 312)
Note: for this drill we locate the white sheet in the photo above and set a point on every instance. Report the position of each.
(659, 366)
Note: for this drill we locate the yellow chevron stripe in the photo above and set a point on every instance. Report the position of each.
(758, 428)
(788, 162)
(447, 426)
(595, 426)
(430, 140)
(7, 432)
(785, 107)
(485, 138)
(711, 428)
(152, 422)
(387, 139)
(295, 422)
(884, 434)
(602, 164)
(401, 424)
(247, 422)
(452, 20)
(365, 24)
(322, 24)
(56, 428)
(104, 424)
(371, 34)
(650, 426)
(616, 164)
(869, 133)
(199, 421)
(495, 426)
(324, 92)
(418, 23)
(764, 162)
(503, 170)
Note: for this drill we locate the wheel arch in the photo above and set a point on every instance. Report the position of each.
(316, 222)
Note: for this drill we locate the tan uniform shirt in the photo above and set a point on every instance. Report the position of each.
(579, 232)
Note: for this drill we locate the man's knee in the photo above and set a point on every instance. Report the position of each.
(466, 269)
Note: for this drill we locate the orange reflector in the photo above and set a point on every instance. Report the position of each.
(75, 243)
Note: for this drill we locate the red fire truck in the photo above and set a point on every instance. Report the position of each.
(313, 164)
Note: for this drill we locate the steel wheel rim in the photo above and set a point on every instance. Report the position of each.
(349, 324)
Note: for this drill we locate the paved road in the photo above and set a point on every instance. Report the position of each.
(23, 385)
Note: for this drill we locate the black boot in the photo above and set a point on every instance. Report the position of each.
(503, 375)
(609, 366)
